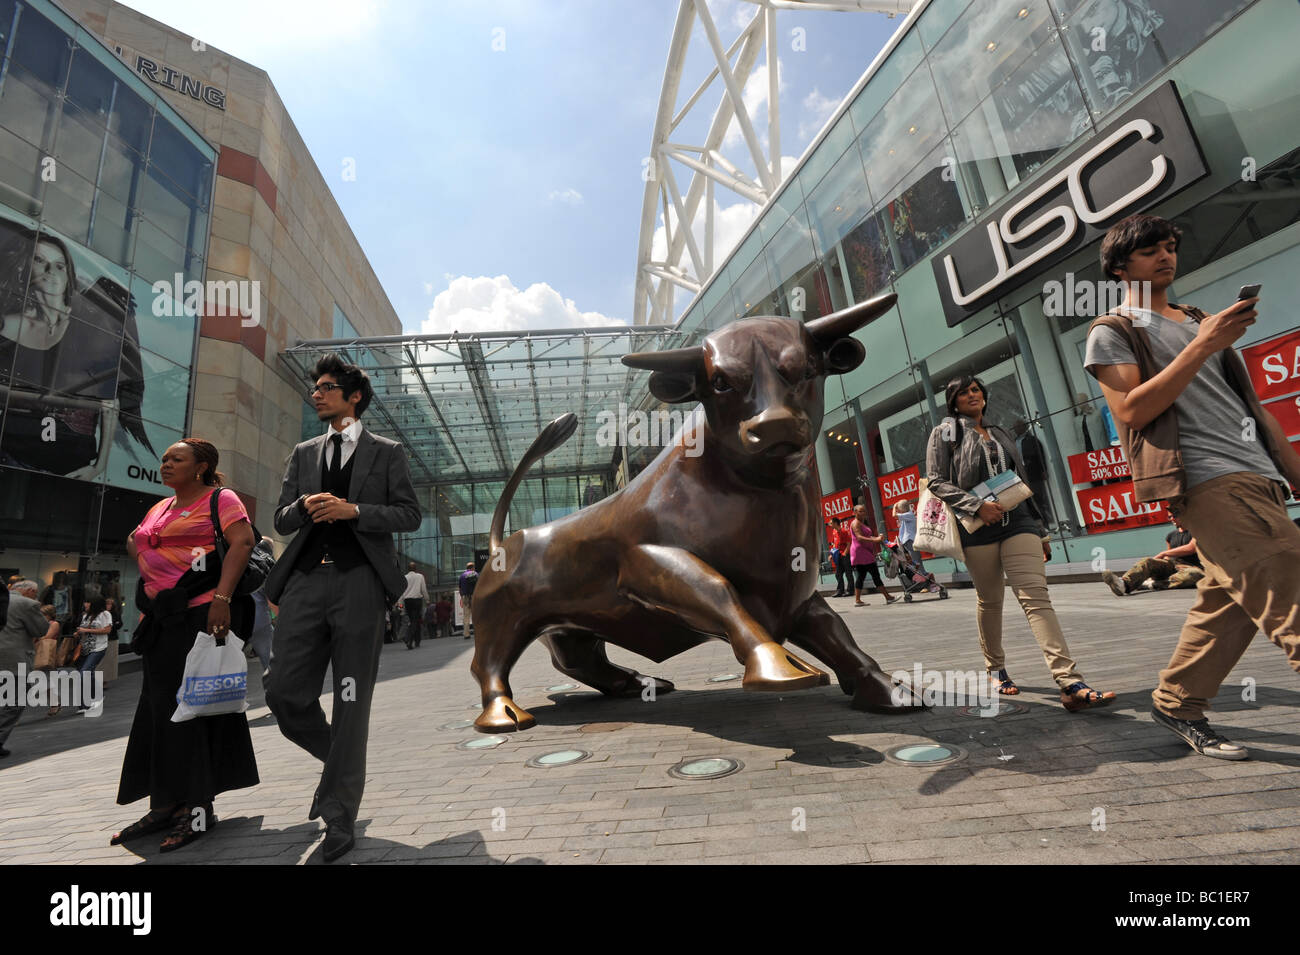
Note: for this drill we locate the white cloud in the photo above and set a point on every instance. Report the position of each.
(754, 96)
(815, 110)
(483, 304)
(428, 288)
(570, 196)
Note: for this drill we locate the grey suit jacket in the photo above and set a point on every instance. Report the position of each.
(23, 627)
(380, 486)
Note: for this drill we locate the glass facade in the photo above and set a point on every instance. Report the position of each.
(979, 100)
(105, 199)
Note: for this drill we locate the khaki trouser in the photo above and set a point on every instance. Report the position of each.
(1020, 557)
(1251, 553)
(1167, 574)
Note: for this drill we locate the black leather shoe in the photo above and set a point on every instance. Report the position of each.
(339, 840)
(314, 811)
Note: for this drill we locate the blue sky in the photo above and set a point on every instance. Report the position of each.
(502, 187)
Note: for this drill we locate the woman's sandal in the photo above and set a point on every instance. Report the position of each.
(1080, 696)
(155, 820)
(1006, 686)
(185, 831)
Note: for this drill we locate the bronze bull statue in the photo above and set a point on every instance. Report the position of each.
(722, 543)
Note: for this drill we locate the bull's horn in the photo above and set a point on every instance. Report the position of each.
(673, 359)
(846, 321)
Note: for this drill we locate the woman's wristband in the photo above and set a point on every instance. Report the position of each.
(217, 596)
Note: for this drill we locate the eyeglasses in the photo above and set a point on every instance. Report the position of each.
(324, 388)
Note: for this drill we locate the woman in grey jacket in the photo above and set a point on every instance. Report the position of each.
(964, 451)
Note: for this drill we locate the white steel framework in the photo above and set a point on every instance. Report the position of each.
(657, 279)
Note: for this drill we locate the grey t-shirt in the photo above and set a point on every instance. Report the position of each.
(1212, 432)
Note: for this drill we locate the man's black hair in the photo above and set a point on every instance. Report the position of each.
(960, 384)
(1125, 237)
(352, 378)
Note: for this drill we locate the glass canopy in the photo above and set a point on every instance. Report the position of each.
(467, 406)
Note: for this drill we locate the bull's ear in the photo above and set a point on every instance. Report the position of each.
(844, 355)
(676, 372)
(829, 329)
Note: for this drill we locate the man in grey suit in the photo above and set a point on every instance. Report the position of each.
(344, 493)
(24, 625)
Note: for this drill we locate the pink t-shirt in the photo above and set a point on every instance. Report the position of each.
(168, 540)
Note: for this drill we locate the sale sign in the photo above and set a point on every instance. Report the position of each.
(1287, 412)
(1115, 507)
(899, 486)
(1101, 465)
(839, 504)
(1274, 365)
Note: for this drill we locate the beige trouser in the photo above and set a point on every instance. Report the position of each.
(1020, 557)
(1251, 553)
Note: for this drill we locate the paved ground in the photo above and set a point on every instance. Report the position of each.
(1042, 786)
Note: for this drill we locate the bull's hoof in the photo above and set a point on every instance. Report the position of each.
(504, 715)
(772, 667)
(874, 693)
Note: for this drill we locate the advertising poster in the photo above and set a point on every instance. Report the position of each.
(82, 398)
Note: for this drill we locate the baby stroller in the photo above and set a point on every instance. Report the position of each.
(901, 567)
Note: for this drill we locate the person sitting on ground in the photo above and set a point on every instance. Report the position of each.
(1174, 568)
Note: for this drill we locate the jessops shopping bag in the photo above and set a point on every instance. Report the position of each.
(215, 681)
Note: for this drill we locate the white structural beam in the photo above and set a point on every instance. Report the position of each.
(704, 160)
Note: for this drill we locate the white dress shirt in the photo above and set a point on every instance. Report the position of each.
(350, 436)
(415, 587)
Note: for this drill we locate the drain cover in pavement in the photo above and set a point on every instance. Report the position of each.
(563, 757)
(481, 742)
(561, 687)
(924, 754)
(724, 678)
(708, 767)
(458, 725)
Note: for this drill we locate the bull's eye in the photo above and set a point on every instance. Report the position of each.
(720, 383)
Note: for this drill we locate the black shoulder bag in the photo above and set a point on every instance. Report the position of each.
(260, 561)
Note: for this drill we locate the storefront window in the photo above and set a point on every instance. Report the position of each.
(1120, 45)
(927, 209)
(984, 49)
(902, 133)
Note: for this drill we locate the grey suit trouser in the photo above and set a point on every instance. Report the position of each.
(9, 661)
(329, 617)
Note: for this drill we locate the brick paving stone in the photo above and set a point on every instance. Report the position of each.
(427, 802)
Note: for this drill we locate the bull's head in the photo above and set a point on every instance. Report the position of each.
(760, 381)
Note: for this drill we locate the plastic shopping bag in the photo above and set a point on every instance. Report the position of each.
(215, 680)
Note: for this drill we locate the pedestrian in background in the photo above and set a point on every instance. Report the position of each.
(443, 611)
(24, 625)
(862, 553)
(96, 624)
(468, 581)
(414, 597)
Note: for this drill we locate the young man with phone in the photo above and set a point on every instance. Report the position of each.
(1196, 435)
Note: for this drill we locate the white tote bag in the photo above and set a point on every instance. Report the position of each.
(215, 680)
(936, 526)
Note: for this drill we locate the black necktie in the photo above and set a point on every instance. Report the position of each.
(336, 462)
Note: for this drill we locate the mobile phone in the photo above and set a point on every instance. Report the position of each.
(1249, 291)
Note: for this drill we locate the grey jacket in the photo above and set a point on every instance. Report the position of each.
(950, 475)
(380, 487)
(24, 626)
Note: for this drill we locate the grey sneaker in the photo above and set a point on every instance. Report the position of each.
(1115, 582)
(1201, 737)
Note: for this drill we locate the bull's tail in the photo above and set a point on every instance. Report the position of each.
(552, 436)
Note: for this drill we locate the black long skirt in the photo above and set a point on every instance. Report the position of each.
(187, 762)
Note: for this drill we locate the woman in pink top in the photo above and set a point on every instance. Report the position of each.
(183, 590)
(862, 552)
